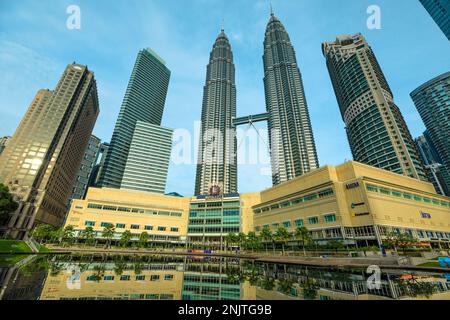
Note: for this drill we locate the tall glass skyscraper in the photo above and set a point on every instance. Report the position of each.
(148, 158)
(432, 100)
(433, 162)
(293, 151)
(144, 101)
(376, 130)
(217, 164)
(439, 10)
(43, 158)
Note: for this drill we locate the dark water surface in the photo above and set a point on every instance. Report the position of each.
(106, 277)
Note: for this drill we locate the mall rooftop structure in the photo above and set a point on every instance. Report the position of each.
(354, 203)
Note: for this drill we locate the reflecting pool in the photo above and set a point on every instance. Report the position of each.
(106, 277)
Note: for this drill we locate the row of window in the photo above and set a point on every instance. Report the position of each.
(132, 226)
(133, 210)
(408, 196)
(155, 277)
(328, 218)
(310, 197)
(213, 213)
(230, 204)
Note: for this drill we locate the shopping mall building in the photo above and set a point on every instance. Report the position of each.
(352, 202)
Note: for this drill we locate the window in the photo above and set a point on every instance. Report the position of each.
(286, 224)
(162, 228)
(173, 229)
(330, 217)
(313, 220)
(299, 222)
(125, 278)
(106, 224)
(110, 208)
(154, 277)
(140, 278)
(135, 226)
(108, 278)
(168, 277)
(89, 223)
(120, 225)
(148, 227)
(275, 225)
(94, 206)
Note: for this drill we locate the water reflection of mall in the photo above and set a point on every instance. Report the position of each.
(197, 278)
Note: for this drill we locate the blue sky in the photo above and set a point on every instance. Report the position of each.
(35, 47)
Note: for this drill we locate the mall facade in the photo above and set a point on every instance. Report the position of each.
(354, 203)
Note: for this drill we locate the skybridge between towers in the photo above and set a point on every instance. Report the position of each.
(251, 119)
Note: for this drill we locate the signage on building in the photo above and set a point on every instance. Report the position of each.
(215, 191)
(425, 215)
(352, 185)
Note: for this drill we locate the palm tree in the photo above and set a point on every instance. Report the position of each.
(125, 238)
(266, 235)
(143, 238)
(303, 234)
(282, 235)
(252, 239)
(88, 234)
(230, 239)
(241, 239)
(108, 234)
(68, 235)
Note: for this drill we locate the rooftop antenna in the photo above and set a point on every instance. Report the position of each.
(271, 9)
(221, 27)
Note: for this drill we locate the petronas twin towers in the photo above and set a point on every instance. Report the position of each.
(292, 148)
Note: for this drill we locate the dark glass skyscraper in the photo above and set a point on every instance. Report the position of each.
(293, 151)
(432, 100)
(144, 101)
(217, 165)
(439, 10)
(376, 130)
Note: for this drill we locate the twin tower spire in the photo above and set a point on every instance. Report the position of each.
(292, 148)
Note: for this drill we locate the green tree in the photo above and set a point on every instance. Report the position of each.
(335, 245)
(56, 235)
(88, 234)
(108, 234)
(400, 240)
(143, 238)
(7, 204)
(68, 235)
(241, 239)
(125, 239)
(267, 236)
(252, 240)
(230, 239)
(282, 235)
(43, 232)
(302, 233)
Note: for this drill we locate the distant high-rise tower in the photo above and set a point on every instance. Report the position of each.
(144, 101)
(4, 142)
(293, 151)
(148, 158)
(217, 164)
(87, 166)
(44, 155)
(439, 10)
(432, 100)
(376, 130)
(433, 163)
